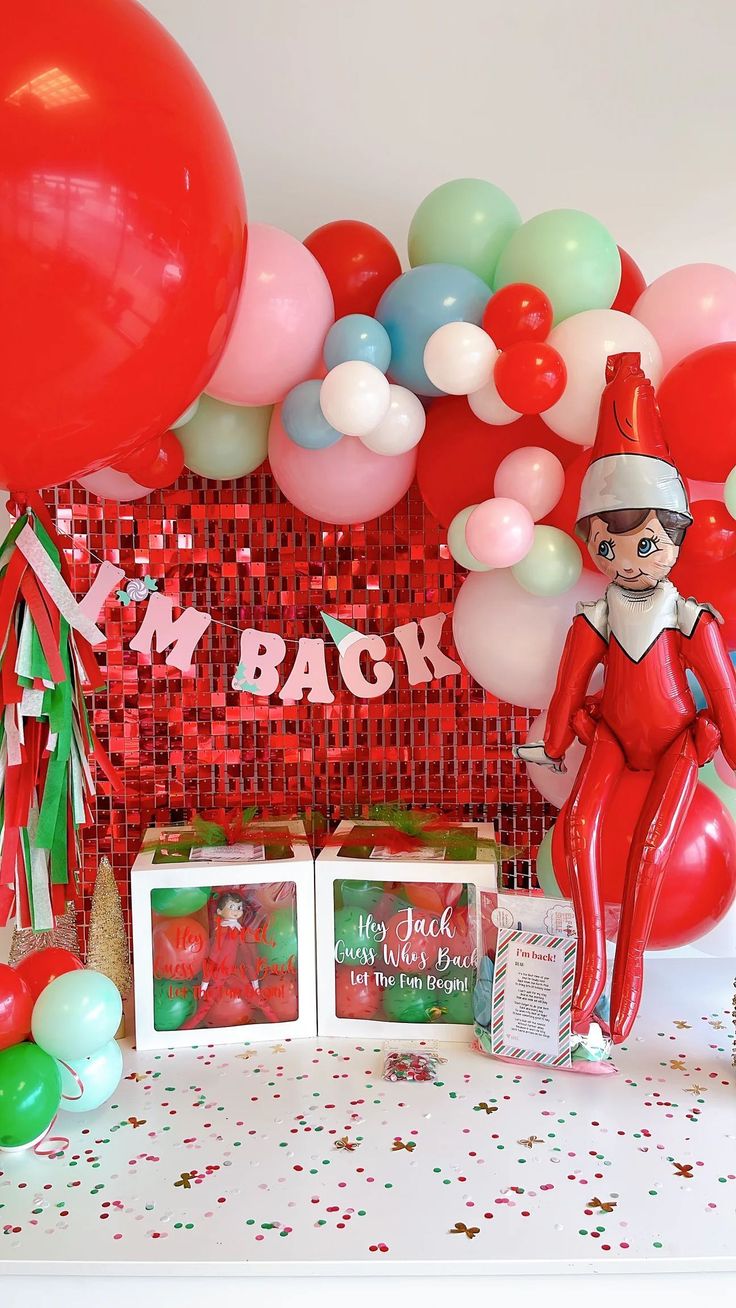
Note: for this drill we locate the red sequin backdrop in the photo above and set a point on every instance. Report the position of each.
(241, 552)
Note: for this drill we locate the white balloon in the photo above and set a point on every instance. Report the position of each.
(511, 641)
(457, 544)
(354, 397)
(187, 415)
(487, 405)
(585, 341)
(109, 484)
(402, 427)
(553, 786)
(459, 358)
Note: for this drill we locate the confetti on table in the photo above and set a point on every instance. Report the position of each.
(461, 1229)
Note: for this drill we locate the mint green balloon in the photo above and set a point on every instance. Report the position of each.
(457, 544)
(567, 254)
(76, 1014)
(225, 441)
(466, 222)
(553, 564)
(545, 868)
(729, 492)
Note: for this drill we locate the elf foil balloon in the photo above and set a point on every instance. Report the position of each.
(633, 515)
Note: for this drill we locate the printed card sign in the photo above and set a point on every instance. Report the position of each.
(532, 997)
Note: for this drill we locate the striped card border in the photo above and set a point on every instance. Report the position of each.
(506, 937)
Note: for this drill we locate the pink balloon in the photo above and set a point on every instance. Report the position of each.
(284, 312)
(553, 786)
(500, 532)
(533, 476)
(344, 483)
(726, 773)
(688, 308)
(109, 484)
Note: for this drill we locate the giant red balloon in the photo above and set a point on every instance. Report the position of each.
(39, 969)
(358, 261)
(700, 881)
(122, 235)
(697, 400)
(633, 283)
(16, 1007)
(459, 454)
(710, 584)
(179, 948)
(712, 536)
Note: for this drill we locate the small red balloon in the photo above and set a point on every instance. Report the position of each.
(434, 896)
(361, 1000)
(179, 949)
(712, 536)
(358, 261)
(412, 941)
(518, 312)
(530, 376)
(157, 464)
(230, 1009)
(283, 998)
(697, 401)
(700, 881)
(459, 455)
(16, 1007)
(633, 283)
(42, 967)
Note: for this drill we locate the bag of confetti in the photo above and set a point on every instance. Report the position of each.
(411, 1063)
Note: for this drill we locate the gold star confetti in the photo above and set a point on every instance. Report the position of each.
(410, 1145)
(685, 1170)
(461, 1229)
(718, 1026)
(136, 1076)
(249, 1053)
(696, 1089)
(486, 1108)
(682, 1026)
(137, 1121)
(185, 1180)
(278, 1049)
(677, 1064)
(605, 1206)
(344, 1143)
(531, 1141)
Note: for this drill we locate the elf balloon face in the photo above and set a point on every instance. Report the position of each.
(635, 548)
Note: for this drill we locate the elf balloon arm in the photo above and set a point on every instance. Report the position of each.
(584, 649)
(706, 654)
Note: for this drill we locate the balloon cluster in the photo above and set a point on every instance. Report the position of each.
(57, 1047)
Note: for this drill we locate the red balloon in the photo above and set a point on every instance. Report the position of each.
(434, 896)
(712, 536)
(157, 464)
(42, 967)
(712, 584)
(179, 948)
(231, 1009)
(700, 881)
(632, 284)
(122, 236)
(283, 998)
(530, 377)
(357, 1001)
(16, 1007)
(518, 312)
(459, 455)
(358, 261)
(412, 945)
(565, 513)
(697, 400)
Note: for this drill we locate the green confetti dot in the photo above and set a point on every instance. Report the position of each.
(582, 1232)
(189, 1226)
(654, 1192)
(436, 1169)
(446, 1182)
(322, 1222)
(600, 1229)
(361, 1212)
(177, 1226)
(657, 1244)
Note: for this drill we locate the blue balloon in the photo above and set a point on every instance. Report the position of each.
(304, 421)
(694, 684)
(419, 302)
(357, 337)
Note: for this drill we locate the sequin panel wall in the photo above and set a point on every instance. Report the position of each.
(241, 552)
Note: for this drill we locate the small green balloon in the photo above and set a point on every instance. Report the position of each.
(569, 255)
(30, 1094)
(281, 940)
(365, 895)
(729, 492)
(545, 868)
(179, 901)
(408, 1000)
(170, 1007)
(457, 1004)
(466, 222)
(553, 564)
(456, 543)
(225, 441)
(350, 928)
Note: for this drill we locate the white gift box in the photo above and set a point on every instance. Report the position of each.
(398, 935)
(223, 938)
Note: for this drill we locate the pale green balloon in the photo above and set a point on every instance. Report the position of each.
(224, 441)
(466, 222)
(569, 255)
(456, 542)
(729, 492)
(545, 868)
(553, 564)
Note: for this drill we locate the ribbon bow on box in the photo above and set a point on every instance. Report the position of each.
(404, 830)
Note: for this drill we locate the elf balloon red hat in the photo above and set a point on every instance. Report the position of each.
(631, 467)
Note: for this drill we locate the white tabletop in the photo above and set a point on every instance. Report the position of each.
(226, 1161)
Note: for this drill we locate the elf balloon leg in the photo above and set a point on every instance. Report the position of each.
(633, 514)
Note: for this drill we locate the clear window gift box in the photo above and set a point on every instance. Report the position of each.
(223, 935)
(398, 928)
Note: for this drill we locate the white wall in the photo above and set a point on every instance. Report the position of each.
(357, 108)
